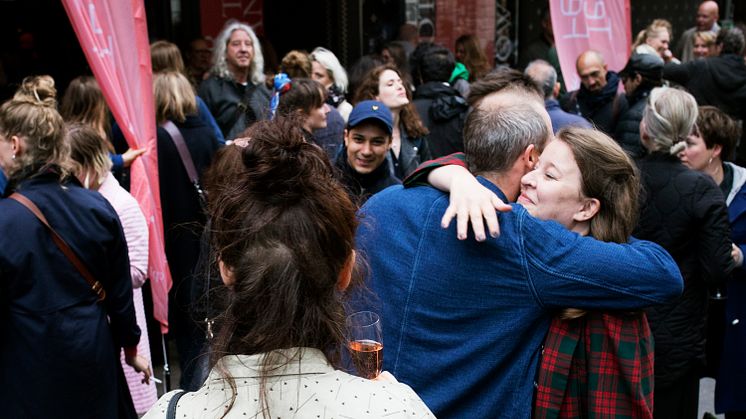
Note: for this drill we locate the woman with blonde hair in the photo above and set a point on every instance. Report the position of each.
(657, 37)
(683, 211)
(93, 169)
(704, 44)
(327, 70)
(67, 296)
(181, 131)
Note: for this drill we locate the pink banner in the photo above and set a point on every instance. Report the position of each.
(114, 38)
(580, 25)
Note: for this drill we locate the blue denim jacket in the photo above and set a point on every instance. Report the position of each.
(463, 321)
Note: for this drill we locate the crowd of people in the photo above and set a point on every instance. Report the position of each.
(594, 268)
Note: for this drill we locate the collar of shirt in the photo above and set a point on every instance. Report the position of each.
(293, 361)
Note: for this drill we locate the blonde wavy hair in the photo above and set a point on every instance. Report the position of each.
(32, 116)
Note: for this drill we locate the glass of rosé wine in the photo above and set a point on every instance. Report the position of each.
(365, 343)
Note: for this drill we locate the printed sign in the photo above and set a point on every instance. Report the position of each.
(580, 25)
(114, 38)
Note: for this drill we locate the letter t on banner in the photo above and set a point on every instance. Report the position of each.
(580, 25)
(114, 38)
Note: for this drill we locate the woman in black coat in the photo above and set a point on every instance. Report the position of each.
(59, 351)
(685, 212)
(183, 216)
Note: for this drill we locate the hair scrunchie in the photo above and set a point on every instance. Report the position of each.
(281, 85)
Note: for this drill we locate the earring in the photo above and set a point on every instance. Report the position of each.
(13, 157)
(709, 162)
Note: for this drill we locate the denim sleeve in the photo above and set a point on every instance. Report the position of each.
(569, 270)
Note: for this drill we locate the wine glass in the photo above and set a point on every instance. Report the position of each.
(365, 343)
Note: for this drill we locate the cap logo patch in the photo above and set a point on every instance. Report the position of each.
(375, 107)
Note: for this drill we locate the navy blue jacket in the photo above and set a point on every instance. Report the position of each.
(58, 353)
(730, 391)
(463, 321)
(561, 119)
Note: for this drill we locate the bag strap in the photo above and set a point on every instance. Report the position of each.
(63, 246)
(186, 158)
(171, 411)
(181, 147)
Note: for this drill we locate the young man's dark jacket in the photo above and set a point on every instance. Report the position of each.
(443, 111)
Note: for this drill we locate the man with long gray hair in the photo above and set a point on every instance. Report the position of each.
(235, 91)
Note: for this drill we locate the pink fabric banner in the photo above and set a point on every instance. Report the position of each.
(580, 25)
(114, 38)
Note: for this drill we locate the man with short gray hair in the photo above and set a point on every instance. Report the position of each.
(545, 77)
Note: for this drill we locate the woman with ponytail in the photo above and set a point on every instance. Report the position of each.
(61, 335)
(684, 211)
(283, 232)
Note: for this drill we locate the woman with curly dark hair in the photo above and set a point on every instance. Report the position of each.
(409, 145)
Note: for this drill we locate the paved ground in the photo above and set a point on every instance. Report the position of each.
(706, 397)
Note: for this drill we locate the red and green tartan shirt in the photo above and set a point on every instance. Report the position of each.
(596, 366)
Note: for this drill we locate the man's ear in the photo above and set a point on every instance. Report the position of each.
(590, 208)
(531, 156)
(346, 133)
(345, 275)
(556, 89)
(226, 273)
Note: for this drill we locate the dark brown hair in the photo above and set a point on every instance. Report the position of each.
(503, 79)
(368, 90)
(166, 56)
(84, 102)
(304, 95)
(717, 128)
(474, 59)
(285, 227)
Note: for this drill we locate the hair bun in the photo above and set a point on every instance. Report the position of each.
(38, 90)
(280, 162)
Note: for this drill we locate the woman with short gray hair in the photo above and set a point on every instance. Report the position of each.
(685, 212)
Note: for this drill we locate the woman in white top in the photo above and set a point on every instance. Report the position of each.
(283, 234)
